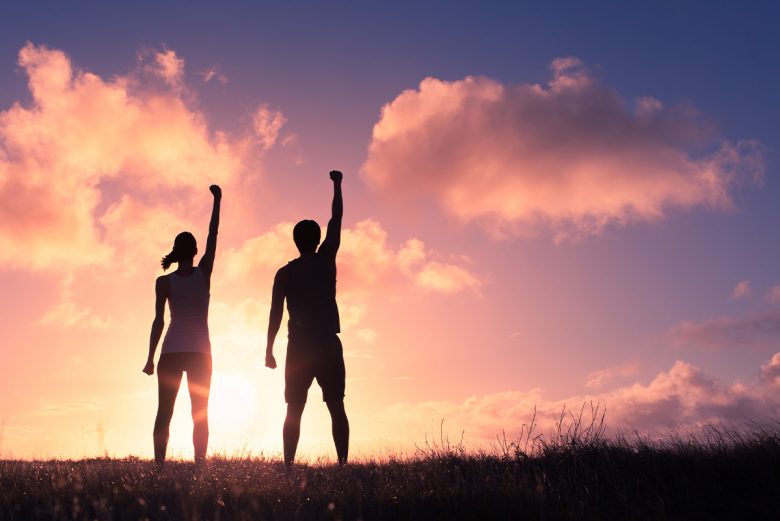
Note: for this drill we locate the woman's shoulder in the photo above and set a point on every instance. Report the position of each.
(162, 284)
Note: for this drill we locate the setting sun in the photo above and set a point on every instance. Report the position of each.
(233, 403)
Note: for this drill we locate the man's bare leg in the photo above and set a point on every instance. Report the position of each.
(291, 432)
(340, 427)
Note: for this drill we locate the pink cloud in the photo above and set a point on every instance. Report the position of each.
(365, 260)
(774, 294)
(267, 122)
(569, 156)
(770, 372)
(602, 377)
(169, 67)
(681, 399)
(213, 73)
(446, 278)
(82, 141)
(754, 329)
(69, 313)
(742, 290)
(149, 237)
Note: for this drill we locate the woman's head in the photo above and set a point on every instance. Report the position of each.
(184, 247)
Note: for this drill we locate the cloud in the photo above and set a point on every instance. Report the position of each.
(266, 123)
(69, 313)
(82, 142)
(602, 377)
(774, 294)
(446, 278)
(212, 73)
(754, 329)
(365, 260)
(149, 237)
(770, 372)
(292, 143)
(681, 399)
(742, 290)
(571, 156)
(261, 255)
(169, 67)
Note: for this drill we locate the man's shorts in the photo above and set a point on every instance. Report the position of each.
(310, 355)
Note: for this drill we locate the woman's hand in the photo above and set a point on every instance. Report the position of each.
(216, 190)
(149, 367)
(270, 361)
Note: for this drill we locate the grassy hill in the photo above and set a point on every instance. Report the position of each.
(580, 474)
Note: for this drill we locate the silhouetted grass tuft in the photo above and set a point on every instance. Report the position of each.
(576, 473)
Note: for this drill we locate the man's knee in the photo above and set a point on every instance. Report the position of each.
(295, 411)
(336, 408)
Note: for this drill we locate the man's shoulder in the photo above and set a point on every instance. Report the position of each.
(287, 268)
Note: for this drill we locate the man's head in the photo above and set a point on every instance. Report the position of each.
(306, 235)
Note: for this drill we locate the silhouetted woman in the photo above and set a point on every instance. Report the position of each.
(186, 347)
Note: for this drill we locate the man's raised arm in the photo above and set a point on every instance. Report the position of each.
(333, 235)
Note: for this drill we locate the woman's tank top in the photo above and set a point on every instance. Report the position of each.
(188, 299)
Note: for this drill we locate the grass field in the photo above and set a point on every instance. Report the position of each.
(577, 474)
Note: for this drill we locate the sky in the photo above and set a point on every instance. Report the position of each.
(547, 205)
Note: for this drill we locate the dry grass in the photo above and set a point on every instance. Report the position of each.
(575, 473)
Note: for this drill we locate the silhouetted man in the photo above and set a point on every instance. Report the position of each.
(313, 349)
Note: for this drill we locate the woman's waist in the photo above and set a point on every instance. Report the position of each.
(188, 327)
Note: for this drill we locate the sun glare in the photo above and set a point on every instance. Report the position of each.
(232, 403)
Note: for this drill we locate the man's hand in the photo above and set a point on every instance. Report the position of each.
(216, 190)
(336, 176)
(270, 361)
(149, 368)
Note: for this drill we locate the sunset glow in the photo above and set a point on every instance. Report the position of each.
(538, 215)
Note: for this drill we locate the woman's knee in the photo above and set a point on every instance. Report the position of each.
(163, 420)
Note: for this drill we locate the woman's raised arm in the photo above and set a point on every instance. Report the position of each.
(207, 261)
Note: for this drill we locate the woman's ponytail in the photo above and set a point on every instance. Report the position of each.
(184, 246)
(168, 260)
